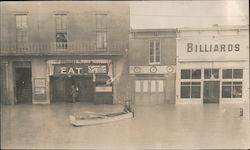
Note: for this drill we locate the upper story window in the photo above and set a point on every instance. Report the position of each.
(154, 52)
(61, 31)
(21, 32)
(101, 21)
(101, 31)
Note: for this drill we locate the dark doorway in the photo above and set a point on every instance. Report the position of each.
(211, 92)
(61, 88)
(23, 85)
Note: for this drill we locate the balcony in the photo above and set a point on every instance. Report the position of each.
(61, 48)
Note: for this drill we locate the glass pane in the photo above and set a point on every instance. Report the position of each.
(226, 83)
(185, 74)
(145, 85)
(215, 73)
(237, 91)
(196, 83)
(151, 44)
(24, 21)
(137, 86)
(160, 85)
(61, 37)
(18, 21)
(207, 73)
(185, 83)
(185, 91)
(153, 86)
(196, 74)
(151, 52)
(157, 58)
(226, 91)
(151, 59)
(227, 73)
(195, 91)
(157, 44)
(237, 73)
(101, 21)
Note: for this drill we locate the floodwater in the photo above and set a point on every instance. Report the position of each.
(207, 126)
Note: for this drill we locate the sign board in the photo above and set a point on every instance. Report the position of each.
(103, 89)
(79, 69)
(40, 88)
(212, 48)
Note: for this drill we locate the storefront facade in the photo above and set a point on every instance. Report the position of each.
(45, 49)
(152, 57)
(213, 65)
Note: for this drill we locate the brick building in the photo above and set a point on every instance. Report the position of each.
(46, 47)
(152, 62)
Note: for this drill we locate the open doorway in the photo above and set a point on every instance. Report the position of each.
(61, 88)
(23, 85)
(211, 92)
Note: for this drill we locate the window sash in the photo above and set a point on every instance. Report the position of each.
(232, 89)
(61, 23)
(190, 89)
(21, 21)
(101, 21)
(154, 51)
(101, 39)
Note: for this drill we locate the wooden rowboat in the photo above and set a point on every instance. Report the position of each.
(89, 118)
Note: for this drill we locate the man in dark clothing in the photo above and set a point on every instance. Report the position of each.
(74, 93)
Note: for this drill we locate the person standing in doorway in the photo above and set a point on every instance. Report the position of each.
(74, 93)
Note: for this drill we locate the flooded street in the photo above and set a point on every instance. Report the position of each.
(160, 126)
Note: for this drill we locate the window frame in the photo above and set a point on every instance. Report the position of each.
(191, 80)
(232, 80)
(21, 32)
(154, 50)
(104, 43)
(62, 30)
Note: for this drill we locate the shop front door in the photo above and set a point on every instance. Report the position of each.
(23, 85)
(211, 91)
(61, 88)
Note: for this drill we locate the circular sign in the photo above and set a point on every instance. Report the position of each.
(170, 69)
(153, 69)
(137, 69)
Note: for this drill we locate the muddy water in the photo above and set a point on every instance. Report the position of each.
(159, 126)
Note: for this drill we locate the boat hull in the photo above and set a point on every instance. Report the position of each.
(98, 120)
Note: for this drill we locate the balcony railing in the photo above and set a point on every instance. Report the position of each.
(61, 48)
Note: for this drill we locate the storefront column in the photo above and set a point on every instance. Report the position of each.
(10, 84)
(131, 89)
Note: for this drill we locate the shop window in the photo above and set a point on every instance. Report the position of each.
(61, 31)
(137, 86)
(185, 74)
(231, 89)
(190, 89)
(196, 74)
(154, 52)
(160, 85)
(227, 73)
(21, 32)
(232, 73)
(191, 74)
(237, 73)
(211, 73)
(145, 85)
(153, 86)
